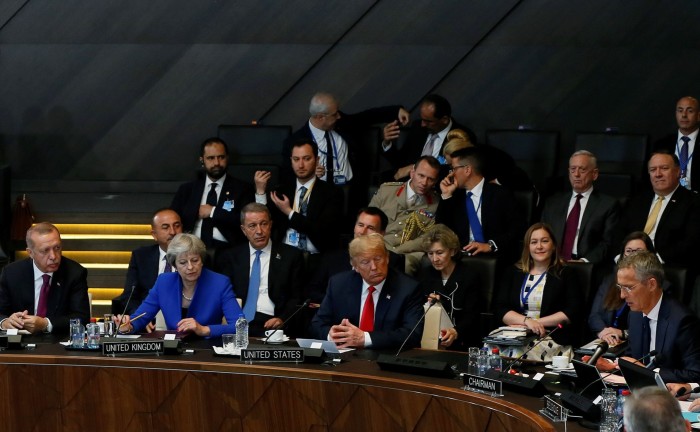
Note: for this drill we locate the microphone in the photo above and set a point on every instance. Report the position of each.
(305, 304)
(657, 361)
(641, 359)
(683, 391)
(651, 353)
(432, 302)
(121, 320)
(549, 333)
(601, 349)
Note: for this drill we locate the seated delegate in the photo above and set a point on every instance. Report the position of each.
(193, 300)
(539, 293)
(457, 289)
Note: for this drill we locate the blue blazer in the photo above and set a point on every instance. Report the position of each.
(397, 312)
(212, 301)
(677, 341)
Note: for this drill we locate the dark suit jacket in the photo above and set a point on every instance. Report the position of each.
(141, 275)
(350, 127)
(397, 312)
(189, 195)
(322, 221)
(337, 261)
(285, 274)
(466, 305)
(668, 143)
(501, 219)
(678, 231)
(599, 224)
(677, 340)
(561, 294)
(412, 148)
(68, 297)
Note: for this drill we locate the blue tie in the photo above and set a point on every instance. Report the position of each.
(474, 223)
(646, 339)
(303, 208)
(683, 155)
(251, 303)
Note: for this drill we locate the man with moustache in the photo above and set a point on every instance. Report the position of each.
(210, 206)
(266, 275)
(682, 143)
(147, 262)
(307, 213)
(42, 293)
(371, 306)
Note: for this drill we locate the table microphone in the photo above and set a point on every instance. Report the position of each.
(601, 349)
(121, 319)
(549, 333)
(641, 359)
(305, 304)
(432, 302)
(683, 391)
(656, 362)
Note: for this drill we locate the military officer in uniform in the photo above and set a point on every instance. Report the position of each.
(410, 207)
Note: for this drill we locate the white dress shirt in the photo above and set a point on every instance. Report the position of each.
(207, 186)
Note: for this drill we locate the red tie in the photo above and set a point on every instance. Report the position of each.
(367, 319)
(567, 244)
(44, 296)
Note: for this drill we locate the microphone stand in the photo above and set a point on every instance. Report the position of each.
(305, 304)
(432, 303)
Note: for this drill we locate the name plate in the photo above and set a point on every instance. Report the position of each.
(137, 347)
(282, 355)
(553, 410)
(483, 385)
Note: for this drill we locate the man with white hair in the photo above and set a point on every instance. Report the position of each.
(653, 409)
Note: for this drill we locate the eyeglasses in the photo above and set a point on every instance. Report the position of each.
(631, 251)
(626, 288)
(455, 168)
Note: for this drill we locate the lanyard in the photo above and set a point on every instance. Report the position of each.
(524, 297)
(618, 313)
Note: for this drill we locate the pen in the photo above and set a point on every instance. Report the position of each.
(134, 319)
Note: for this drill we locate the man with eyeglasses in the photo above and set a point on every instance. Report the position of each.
(657, 321)
(266, 275)
(371, 306)
(484, 215)
(585, 221)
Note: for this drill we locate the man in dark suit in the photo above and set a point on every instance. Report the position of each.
(147, 262)
(308, 212)
(372, 306)
(42, 293)
(584, 222)
(676, 329)
(210, 206)
(369, 220)
(336, 133)
(485, 216)
(265, 275)
(682, 143)
(669, 215)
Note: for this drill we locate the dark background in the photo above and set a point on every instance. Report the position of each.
(117, 90)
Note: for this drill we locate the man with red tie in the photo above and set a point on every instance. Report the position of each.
(42, 293)
(371, 306)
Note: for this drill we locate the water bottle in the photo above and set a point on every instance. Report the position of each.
(241, 332)
(621, 396)
(93, 334)
(483, 361)
(495, 362)
(608, 411)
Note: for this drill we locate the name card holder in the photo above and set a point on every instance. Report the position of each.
(272, 355)
(133, 347)
(554, 411)
(480, 384)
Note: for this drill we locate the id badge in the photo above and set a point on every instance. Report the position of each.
(684, 182)
(339, 179)
(229, 205)
(293, 239)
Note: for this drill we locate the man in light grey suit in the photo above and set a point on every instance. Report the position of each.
(584, 220)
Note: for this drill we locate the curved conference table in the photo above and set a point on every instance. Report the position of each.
(52, 389)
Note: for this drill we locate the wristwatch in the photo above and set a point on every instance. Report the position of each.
(492, 245)
(625, 334)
